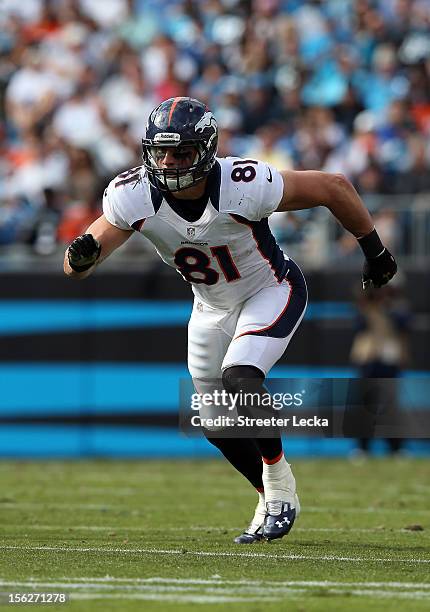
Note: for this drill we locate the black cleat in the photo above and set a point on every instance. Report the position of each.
(254, 532)
(279, 519)
(250, 537)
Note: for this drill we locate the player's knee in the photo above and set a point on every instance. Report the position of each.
(242, 378)
(210, 429)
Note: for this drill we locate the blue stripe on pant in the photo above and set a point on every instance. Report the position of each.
(293, 310)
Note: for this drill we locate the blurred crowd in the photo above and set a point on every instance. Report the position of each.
(337, 85)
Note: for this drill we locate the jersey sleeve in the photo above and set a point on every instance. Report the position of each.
(127, 200)
(112, 207)
(252, 188)
(271, 189)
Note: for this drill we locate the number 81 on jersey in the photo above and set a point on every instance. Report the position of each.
(194, 265)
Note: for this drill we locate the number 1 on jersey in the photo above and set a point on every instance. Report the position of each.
(226, 263)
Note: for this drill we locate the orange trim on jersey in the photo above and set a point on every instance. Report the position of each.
(254, 331)
(172, 108)
(275, 460)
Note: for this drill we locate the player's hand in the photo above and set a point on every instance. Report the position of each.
(378, 271)
(83, 252)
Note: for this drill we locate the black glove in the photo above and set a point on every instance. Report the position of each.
(380, 266)
(83, 252)
(378, 271)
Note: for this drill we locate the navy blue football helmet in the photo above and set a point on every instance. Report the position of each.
(188, 125)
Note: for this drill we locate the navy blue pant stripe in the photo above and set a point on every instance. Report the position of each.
(292, 311)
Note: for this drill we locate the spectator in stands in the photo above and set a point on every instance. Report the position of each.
(31, 93)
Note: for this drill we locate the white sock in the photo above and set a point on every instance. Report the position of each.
(279, 482)
(261, 506)
(259, 515)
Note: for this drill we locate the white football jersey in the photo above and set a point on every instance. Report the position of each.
(229, 253)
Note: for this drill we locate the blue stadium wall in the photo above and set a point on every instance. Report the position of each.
(92, 368)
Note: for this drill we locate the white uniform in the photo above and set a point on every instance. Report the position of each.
(241, 280)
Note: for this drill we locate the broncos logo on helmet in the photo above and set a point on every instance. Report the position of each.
(208, 120)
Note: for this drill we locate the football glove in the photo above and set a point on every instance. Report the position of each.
(378, 271)
(380, 266)
(83, 252)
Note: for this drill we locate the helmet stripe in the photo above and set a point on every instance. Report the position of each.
(172, 108)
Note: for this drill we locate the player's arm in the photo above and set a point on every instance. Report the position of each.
(308, 189)
(89, 250)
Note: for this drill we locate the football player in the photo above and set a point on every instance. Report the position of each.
(208, 218)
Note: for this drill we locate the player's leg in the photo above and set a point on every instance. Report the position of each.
(278, 503)
(207, 345)
(265, 326)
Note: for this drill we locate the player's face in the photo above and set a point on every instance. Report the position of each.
(174, 157)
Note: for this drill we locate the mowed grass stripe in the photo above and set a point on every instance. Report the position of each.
(308, 509)
(110, 582)
(204, 528)
(202, 553)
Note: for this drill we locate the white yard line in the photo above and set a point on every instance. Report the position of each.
(241, 592)
(176, 598)
(266, 597)
(208, 589)
(110, 582)
(159, 551)
(221, 581)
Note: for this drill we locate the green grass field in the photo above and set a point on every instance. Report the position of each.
(158, 536)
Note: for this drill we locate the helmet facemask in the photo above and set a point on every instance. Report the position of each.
(176, 179)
